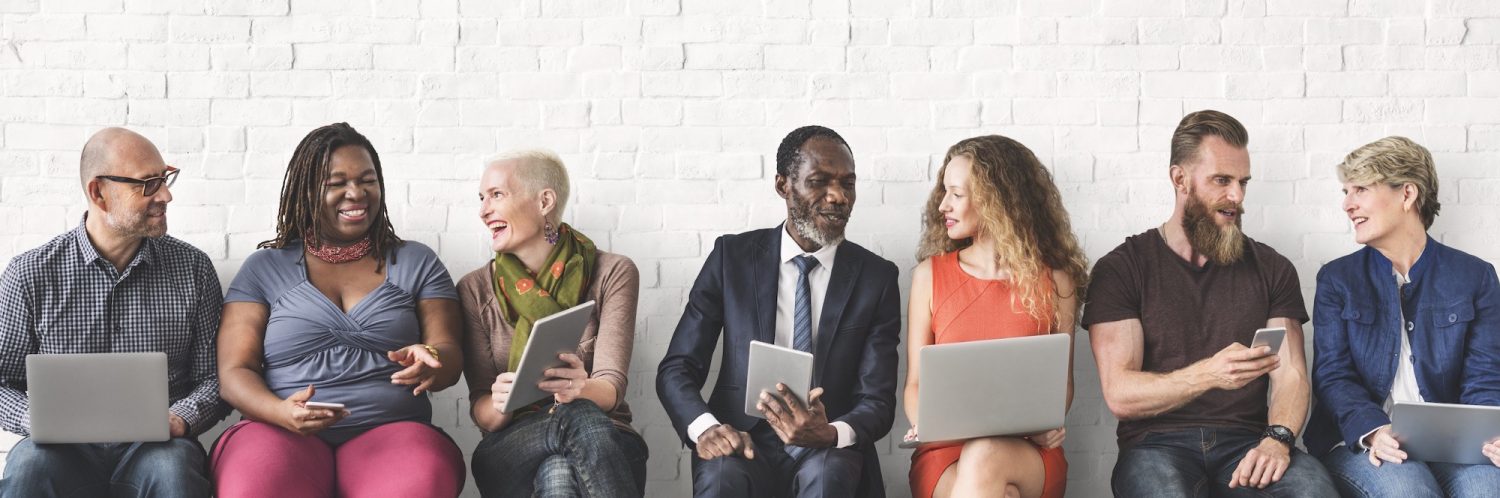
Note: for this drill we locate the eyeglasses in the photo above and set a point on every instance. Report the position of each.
(149, 186)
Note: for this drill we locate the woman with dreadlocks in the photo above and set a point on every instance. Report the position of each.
(577, 442)
(998, 259)
(337, 309)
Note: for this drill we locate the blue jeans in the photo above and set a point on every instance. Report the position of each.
(1356, 478)
(576, 451)
(163, 469)
(1199, 463)
(780, 471)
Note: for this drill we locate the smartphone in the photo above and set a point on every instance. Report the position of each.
(319, 404)
(1269, 337)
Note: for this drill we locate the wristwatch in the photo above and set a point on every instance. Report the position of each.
(1280, 433)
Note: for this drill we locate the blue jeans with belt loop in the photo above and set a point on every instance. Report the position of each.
(1200, 462)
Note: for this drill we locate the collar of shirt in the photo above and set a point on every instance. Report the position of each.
(790, 249)
(145, 254)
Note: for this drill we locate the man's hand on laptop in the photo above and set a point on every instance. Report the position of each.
(298, 418)
(1236, 365)
(178, 425)
(724, 440)
(798, 425)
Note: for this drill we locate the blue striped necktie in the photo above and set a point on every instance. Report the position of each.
(802, 323)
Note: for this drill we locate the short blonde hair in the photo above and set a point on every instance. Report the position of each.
(1396, 161)
(538, 170)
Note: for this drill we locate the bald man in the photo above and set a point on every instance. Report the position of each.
(116, 283)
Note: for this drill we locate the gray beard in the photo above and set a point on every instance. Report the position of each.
(136, 227)
(801, 221)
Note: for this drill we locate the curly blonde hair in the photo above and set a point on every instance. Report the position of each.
(1020, 208)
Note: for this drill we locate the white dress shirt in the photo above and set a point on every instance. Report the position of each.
(786, 305)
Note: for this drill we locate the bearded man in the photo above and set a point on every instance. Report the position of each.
(799, 285)
(1171, 314)
(115, 283)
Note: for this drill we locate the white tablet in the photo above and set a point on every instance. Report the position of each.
(770, 364)
(550, 336)
(1441, 432)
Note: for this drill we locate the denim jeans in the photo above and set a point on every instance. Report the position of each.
(1200, 462)
(163, 469)
(1356, 478)
(576, 451)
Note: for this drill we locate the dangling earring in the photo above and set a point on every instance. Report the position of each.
(550, 233)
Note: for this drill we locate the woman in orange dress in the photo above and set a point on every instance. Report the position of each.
(998, 259)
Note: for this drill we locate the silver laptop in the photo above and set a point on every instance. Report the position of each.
(999, 387)
(98, 398)
(1441, 432)
(553, 335)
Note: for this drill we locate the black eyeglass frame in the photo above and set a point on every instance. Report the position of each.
(149, 186)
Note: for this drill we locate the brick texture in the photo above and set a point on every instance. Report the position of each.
(669, 112)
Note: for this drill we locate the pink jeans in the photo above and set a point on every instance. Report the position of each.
(407, 459)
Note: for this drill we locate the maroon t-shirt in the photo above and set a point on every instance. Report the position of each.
(1188, 314)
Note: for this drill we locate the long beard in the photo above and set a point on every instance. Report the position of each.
(1223, 245)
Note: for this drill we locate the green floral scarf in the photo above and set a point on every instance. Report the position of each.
(525, 298)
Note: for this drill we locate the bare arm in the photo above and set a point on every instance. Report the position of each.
(1131, 394)
(1290, 384)
(442, 330)
(1067, 320)
(241, 375)
(919, 333)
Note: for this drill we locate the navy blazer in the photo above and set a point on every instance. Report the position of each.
(1453, 304)
(855, 356)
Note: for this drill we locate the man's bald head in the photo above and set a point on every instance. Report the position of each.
(112, 148)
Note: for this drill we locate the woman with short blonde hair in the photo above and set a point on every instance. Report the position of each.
(1404, 319)
(578, 441)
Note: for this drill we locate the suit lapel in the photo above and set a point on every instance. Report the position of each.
(840, 287)
(766, 270)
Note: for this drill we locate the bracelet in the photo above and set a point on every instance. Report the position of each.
(433, 351)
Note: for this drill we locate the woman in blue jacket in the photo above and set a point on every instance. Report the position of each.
(1403, 319)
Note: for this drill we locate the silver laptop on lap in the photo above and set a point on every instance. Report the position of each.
(998, 387)
(98, 398)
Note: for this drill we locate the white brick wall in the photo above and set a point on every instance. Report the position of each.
(669, 112)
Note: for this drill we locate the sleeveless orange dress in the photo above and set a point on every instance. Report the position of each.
(965, 308)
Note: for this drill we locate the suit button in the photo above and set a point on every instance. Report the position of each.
(1356, 314)
(1410, 326)
(1452, 317)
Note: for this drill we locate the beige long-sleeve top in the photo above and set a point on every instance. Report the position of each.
(605, 347)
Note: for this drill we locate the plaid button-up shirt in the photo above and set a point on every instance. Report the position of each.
(63, 297)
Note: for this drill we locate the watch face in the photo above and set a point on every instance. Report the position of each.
(1280, 432)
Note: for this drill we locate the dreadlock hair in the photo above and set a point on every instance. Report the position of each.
(302, 192)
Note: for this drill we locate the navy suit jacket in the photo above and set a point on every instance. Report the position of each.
(735, 294)
(1453, 304)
